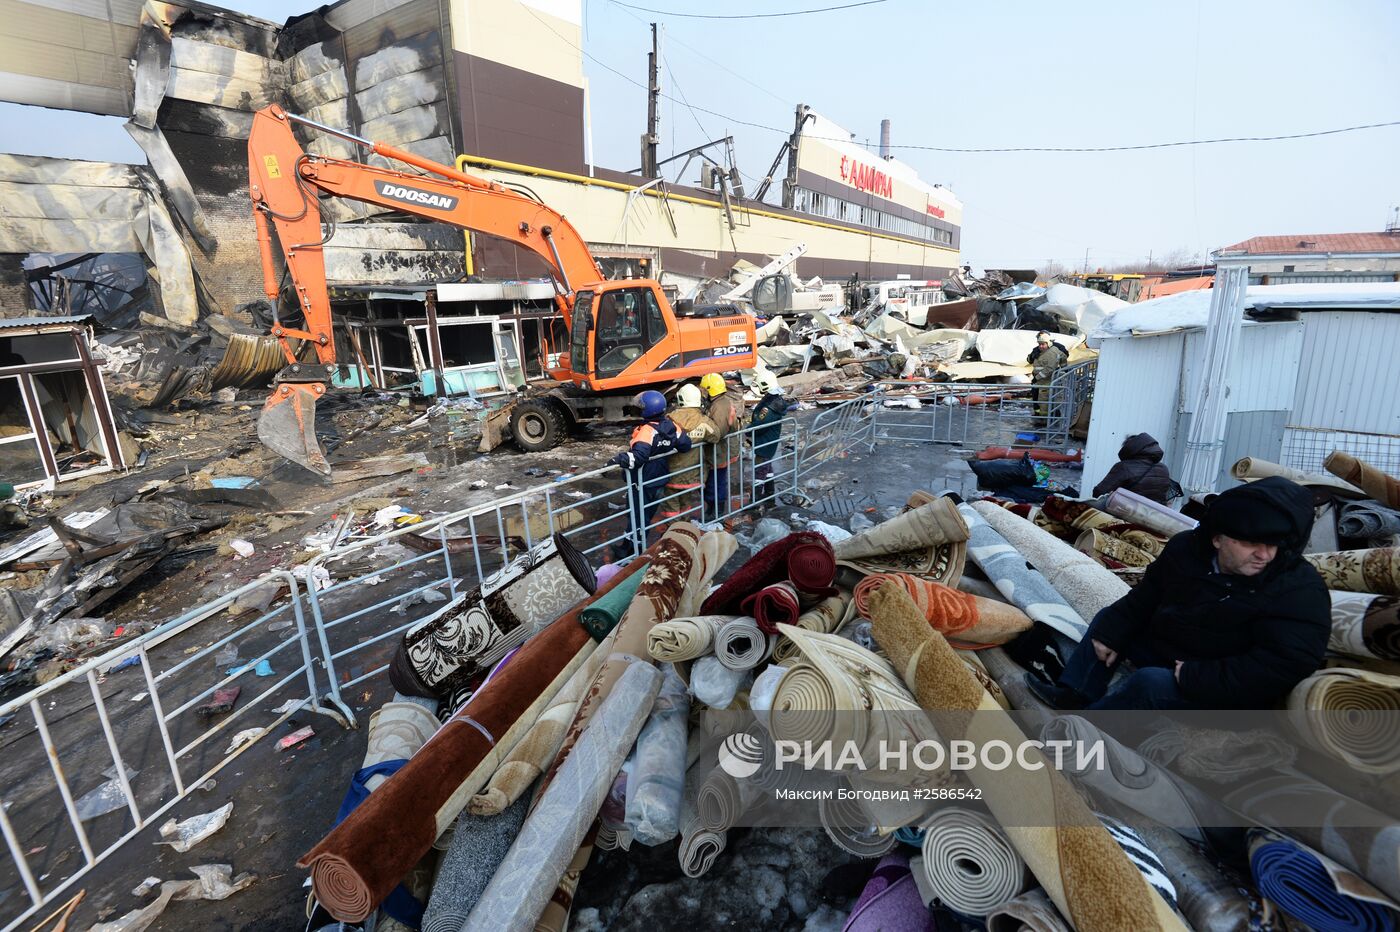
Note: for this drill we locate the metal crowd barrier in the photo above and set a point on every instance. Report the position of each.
(337, 627)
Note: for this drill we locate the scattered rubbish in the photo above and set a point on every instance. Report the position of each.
(222, 701)
(182, 836)
(261, 668)
(209, 784)
(281, 625)
(766, 531)
(503, 486)
(535, 472)
(106, 798)
(416, 598)
(296, 737)
(291, 705)
(395, 516)
(478, 484)
(241, 547)
(831, 532)
(244, 737)
(226, 395)
(226, 655)
(139, 696)
(378, 466)
(320, 577)
(233, 482)
(215, 882)
(859, 522)
(146, 886)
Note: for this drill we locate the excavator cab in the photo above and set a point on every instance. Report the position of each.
(615, 324)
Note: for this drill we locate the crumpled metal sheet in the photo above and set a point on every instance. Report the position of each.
(249, 360)
(59, 205)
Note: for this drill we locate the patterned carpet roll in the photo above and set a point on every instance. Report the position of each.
(1086, 586)
(1376, 484)
(770, 565)
(1375, 571)
(777, 604)
(1083, 870)
(396, 732)
(1143, 511)
(1254, 468)
(1032, 911)
(712, 551)
(603, 615)
(657, 778)
(467, 637)
(740, 645)
(479, 844)
(1367, 520)
(1217, 756)
(1365, 625)
(1314, 889)
(1353, 715)
(1017, 580)
(554, 830)
(685, 638)
(928, 525)
(965, 619)
(968, 862)
(1209, 900)
(890, 900)
(824, 618)
(1108, 550)
(356, 865)
(1143, 857)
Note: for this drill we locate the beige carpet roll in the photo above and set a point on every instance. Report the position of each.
(1032, 911)
(685, 638)
(396, 732)
(721, 800)
(1081, 867)
(1099, 545)
(1382, 487)
(1084, 584)
(1365, 625)
(851, 826)
(1376, 571)
(936, 522)
(712, 551)
(740, 645)
(969, 863)
(1253, 468)
(699, 846)
(824, 618)
(1353, 715)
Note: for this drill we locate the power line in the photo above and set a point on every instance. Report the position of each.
(825, 9)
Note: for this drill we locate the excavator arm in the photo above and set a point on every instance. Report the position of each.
(284, 182)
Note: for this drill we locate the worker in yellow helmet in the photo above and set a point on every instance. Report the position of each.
(727, 413)
(689, 416)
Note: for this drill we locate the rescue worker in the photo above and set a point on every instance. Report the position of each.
(646, 457)
(727, 413)
(1046, 359)
(767, 435)
(684, 468)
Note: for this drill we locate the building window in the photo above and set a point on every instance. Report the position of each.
(835, 208)
(1288, 268)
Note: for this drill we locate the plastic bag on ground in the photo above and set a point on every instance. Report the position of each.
(182, 836)
(766, 531)
(105, 798)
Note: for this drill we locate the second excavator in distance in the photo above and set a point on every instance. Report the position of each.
(624, 335)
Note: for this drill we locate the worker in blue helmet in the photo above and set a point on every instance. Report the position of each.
(646, 456)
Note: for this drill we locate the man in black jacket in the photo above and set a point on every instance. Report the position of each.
(1228, 617)
(1139, 469)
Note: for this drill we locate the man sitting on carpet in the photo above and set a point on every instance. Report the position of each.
(1229, 616)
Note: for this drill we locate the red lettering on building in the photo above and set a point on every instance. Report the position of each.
(864, 177)
(938, 212)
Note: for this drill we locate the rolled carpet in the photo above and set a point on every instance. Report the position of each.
(396, 732)
(604, 614)
(722, 800)
(479, 844)
(1032, 911)
(848, 824)
(699, 846)
(1017, 580)
(771, 565)
(824, 618)
(1210, 901)
(657, 778)
(1356, 836)
(555, 829)
(1365, 625)
(1254, 468)
(1084, 584)
(1216, 755)
(773, 605)
(1368, 520)
(1315, 889)
(1376, 484)
(1105, 548)
(740, 645)
(1147, 513)
(968, 862)
(889, 902)
(1085, 873)
(1375, 571)
(1352, 715)
(356, 865)
(924, 526)
(966, 619)
(685, 638)
(712, 551)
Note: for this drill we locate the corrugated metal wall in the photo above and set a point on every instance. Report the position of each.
(1347, 380)
(1136, 391)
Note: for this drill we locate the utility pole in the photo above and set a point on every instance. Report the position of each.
(651, 137)
(804, 113)
(1086, 260)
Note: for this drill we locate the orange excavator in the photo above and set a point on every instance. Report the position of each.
(623, 335)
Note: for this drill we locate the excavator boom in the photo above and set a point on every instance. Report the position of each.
(285, 184)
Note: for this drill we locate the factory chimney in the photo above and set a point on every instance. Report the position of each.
(884, 139)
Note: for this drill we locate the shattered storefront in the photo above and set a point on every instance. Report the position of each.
(55, 419)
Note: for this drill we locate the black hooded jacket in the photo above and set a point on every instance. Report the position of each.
(1246, 640)
(1139, 469)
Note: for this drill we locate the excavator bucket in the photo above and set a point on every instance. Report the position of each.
(288, 425)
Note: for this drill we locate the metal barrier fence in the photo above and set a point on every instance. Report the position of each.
(972, 414)
(338, 627)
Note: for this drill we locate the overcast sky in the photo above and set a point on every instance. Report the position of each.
(999, 75)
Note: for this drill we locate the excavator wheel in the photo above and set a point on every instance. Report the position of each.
(538, 424)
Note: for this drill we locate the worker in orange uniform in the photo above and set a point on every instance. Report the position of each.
(685, 467)
(727, 413)
(647, 456)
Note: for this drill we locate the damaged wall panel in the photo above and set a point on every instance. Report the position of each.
(386, 253)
